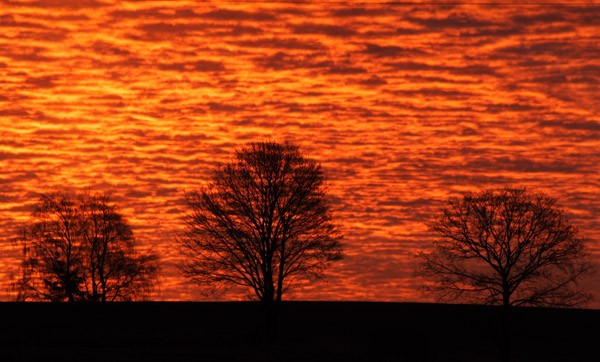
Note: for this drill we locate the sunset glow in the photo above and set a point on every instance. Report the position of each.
(404, 105)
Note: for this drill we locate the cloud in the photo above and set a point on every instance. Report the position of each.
(577, 125)
(47, 81)
(152, 13)
(472, 69)
(281, 43)
(7, 156)
(237, 15)
(57, 4)
(511, 107)
(345, 70)
(467, 69)
(208, 66)
(382, 51)
(224, 107)
(543, 17)
(324, 29)
(107, 97)
(14, 112)
(162, 29)
(373, 81)
(435, 92)
(525, 165)
(356, 12)
(413, 31)
(8, 21)
(239, 30)
(155, 13)
(106, 48)
(414, 66)
(29, 54)
(282, 61)
(417, 202)
(138, 194)
(556, 78)
(198, 66)
(454, 20)
(553, 48)
(492, 33)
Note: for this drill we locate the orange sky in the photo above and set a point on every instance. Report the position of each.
(405, 105)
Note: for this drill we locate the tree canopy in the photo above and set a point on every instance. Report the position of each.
(263, 222)
(507, 246)
(78, 247)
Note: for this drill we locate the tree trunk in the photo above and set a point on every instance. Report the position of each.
(280, 274)
(269, 288)
(505, 300)
(93, 268)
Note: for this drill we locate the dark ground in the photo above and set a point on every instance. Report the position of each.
(308, 331)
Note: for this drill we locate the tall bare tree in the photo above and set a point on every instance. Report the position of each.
(262, 222)
(508, 246)
(78, 247)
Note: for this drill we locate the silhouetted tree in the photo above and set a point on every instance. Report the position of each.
(78, 247)
(509, 247)
(262, 222)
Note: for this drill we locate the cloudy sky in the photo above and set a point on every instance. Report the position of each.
(404, 105)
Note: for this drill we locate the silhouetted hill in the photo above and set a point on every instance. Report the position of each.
(308, 331)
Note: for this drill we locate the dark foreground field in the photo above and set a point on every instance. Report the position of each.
(308, 331)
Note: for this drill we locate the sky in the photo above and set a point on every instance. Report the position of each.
(405, 105)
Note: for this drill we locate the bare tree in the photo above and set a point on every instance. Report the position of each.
(509, 247)
(78, 247)
(263, 222)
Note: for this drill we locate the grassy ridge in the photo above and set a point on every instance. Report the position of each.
(307, 331)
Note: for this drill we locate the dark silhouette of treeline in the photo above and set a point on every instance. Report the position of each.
(263, 222)
(307, 331)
